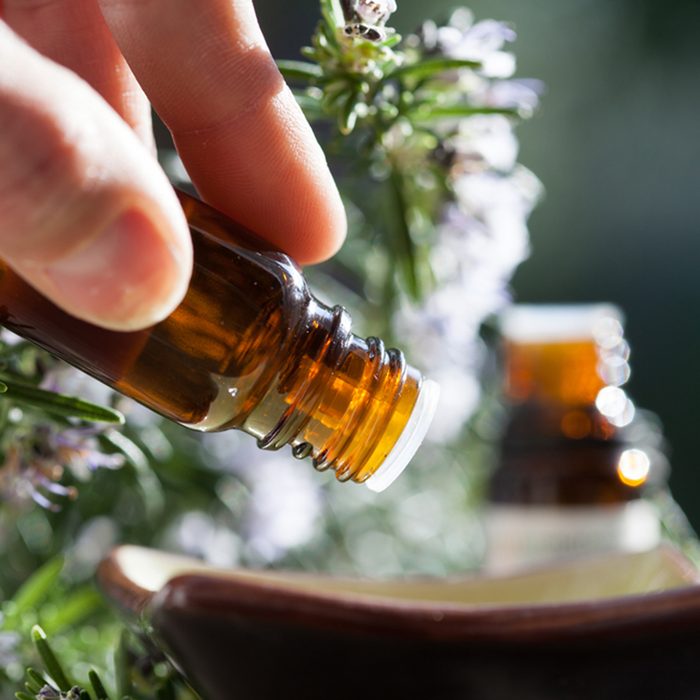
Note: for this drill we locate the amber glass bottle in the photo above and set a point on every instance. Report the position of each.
(250, 348)
(575, 457)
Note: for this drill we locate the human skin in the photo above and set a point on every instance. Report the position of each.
(86, 214)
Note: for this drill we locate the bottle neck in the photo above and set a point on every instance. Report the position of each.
(342, 400)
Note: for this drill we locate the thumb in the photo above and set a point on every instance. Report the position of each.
(86, 215)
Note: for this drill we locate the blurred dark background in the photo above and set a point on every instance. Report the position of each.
(617, 146)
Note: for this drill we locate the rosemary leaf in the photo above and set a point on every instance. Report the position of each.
(121, 666)
(96, 683)
(49, 658)
(347, 119)
(424, 113)
(299, 70)
(58, 404)
(404, 243)
(34, 680)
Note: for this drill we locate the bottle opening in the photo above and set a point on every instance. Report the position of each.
(410, 439)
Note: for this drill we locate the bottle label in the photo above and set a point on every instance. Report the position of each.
(519, 536)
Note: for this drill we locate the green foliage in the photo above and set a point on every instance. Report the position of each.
(391, 102)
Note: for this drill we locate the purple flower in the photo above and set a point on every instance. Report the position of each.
(37, 460)
(50, 693)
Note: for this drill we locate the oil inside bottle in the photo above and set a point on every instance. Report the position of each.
(249, 348)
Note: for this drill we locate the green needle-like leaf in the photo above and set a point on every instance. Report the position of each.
(53, 667)
(404, 244)
(35, 681)
(96, 683)
(58, 404)
(300, 70)
(121, 666)
(332, 12)
(429, 113)
(32, 688)
(23, 696)
(347, 118)
(35, 590)
(430, 68)
(3, 387)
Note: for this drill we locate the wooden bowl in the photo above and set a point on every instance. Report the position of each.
(623, 626)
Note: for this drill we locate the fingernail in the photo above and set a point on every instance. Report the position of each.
(127, 277)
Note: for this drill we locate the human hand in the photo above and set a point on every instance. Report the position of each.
(86, 214)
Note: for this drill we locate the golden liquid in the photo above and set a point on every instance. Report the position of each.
(248, 348)
(562, 372)
(558, 449)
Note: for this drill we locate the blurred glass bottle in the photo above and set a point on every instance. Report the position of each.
(576, 458)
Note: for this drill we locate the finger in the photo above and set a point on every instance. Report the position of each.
(74, 34)
(86, 215)
(245, 142)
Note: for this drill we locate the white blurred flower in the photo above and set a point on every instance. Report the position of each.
(199, 535)
(483, 141)
(284, 502)
(460, 392)
(374, 11)
(284, 507)
(480, 240)
(92, 544)
(10, 338)
(483, 42)
(522, 94)
(9, 648)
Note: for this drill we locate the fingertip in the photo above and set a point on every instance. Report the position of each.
(131, 275)
(324, 229)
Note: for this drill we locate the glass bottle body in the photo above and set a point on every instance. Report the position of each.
(248, 348)
(560, 487)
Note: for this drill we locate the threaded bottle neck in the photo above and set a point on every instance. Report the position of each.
(344, 401)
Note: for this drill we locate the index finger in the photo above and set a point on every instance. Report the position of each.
(245, 142)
